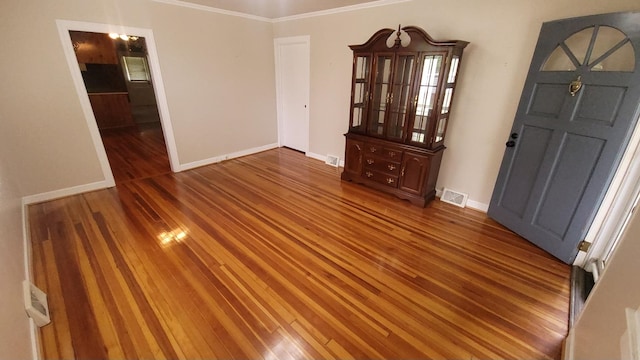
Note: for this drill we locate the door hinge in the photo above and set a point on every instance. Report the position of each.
(584, 246)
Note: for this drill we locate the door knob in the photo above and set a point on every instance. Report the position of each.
(510, 143)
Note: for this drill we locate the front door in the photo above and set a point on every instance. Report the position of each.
(579, 106)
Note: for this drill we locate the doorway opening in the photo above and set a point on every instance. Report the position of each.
(152, 61)
(116, 76)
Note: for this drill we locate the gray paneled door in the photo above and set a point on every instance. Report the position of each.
(579, 106)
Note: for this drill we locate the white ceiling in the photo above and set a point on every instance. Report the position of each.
(274, 9)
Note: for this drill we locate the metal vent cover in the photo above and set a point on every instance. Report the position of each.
(454, 197)
(332, 160)
(35, 303)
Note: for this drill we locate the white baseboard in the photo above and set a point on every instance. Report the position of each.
(316, 156)
(217, 159)
(26, 238)
(322, 158)
(28, 274)
(568, 348)
(472, 204)
(51, 195)
(35, 340)
(476, 205)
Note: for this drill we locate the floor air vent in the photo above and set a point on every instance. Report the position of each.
(454, 197)
(35, 302)
(333, 160)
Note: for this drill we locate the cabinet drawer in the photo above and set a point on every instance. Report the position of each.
(387, 153)
(382, 165)
(381, 178)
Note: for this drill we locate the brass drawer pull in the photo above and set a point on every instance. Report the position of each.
(391, 167)
(369, 174)
(390, 181)
(392, 153)
(372, 149)
(370, 161)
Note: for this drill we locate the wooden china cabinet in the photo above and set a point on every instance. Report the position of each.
(402, 90)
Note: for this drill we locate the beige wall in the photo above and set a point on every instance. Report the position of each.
(502, 35)
(602, 323)
(14, 326)
(218, 73)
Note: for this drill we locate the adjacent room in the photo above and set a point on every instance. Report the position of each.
(117, 80)
(318, 179)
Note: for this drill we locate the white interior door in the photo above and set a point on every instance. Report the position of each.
(292, 91)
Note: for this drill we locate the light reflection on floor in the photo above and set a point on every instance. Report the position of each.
(172, 237)
(286, 348)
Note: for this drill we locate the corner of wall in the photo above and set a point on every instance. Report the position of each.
(28, 275)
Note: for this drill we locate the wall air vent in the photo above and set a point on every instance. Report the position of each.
(35, 303)
(454, 197)
(332, 160)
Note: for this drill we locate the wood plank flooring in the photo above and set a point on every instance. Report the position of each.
(136, 152)
(271, 256)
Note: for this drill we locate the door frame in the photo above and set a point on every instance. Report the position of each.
(619, 200)
(64, 26)
(278, 43)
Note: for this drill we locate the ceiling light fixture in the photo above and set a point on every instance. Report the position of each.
(124, 37)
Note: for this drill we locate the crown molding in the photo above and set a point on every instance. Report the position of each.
(366, 5)
(213, 10)
(339, 10)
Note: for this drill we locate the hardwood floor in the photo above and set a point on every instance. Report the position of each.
(136, 152)
(271, 256)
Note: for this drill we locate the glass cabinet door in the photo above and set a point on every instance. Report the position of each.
(360, 89)
(381, 94)
(446, 101)
(400, 96)
(425, 102)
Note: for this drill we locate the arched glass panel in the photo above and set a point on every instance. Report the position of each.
(578, 43)
(601, 48)
(558, 61)
(606, 39)
(622, 59)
